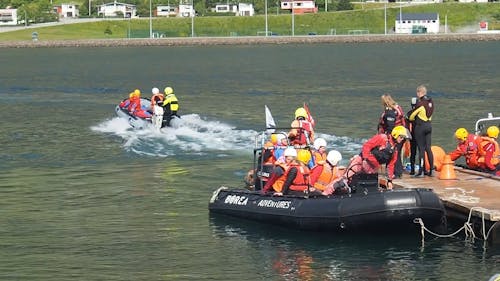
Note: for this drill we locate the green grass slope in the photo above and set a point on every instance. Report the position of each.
(367, 17)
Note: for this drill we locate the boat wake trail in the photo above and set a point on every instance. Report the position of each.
(189, 135)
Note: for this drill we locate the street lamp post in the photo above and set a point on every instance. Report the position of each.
(89, 7)
(385, 18)
(150, 21)
(293, 18)
(265, 12)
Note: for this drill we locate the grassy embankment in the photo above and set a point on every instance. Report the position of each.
(369, 16)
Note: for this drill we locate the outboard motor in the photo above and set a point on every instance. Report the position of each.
(368, 182)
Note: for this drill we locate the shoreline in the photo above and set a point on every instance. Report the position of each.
(255, 40)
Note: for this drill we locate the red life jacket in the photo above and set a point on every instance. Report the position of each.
(304, 132)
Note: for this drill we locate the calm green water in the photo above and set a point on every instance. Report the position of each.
(84, 197)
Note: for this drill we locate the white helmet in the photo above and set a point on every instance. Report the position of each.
(290, 152)
(319, 142)
(280, 137)
(334, 157)
(155, 91)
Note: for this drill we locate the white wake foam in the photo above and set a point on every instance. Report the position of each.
(195, 135)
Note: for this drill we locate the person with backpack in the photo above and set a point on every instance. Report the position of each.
(392, 116)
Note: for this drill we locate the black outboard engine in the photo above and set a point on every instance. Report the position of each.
(368, 182)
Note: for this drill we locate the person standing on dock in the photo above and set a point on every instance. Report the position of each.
(490, 152)
(422, 115)
(392, 116)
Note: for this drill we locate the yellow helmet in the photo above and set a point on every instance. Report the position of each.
(137, 92)
(300, 112)
(168, 90)
(399, 131)
(304, 156)
(492, 132)
(274, 138)
(461, 134)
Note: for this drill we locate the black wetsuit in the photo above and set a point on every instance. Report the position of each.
(423, 130)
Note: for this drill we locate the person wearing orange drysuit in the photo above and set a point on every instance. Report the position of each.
(468, 147)
(489, 159)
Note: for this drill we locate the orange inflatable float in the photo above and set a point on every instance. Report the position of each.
(439, 155)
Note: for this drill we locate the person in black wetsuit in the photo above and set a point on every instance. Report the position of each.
(421, 115)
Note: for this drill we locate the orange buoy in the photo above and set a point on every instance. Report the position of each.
(438, 155)
(447, 169)
(406, 149)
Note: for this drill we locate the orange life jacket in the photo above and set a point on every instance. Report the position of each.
(319, 159)
(278, 184)
(155, 98)
(327, 176)
(301, 181)
(495, 160)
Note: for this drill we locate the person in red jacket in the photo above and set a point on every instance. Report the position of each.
(135, 106)
(380, 149)
(467, 146)
(302, 132)
(392, 116)
(126, 102)
(489, 150)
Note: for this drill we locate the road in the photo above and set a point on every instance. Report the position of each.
(60, 22)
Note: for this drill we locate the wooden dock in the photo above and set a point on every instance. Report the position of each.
(472, 194)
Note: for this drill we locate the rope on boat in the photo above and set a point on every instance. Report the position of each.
(467, 227)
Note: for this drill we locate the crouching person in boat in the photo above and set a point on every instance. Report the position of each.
(379, 150)
(468, 147)
(292, 176)
(324, 173)
(126, 102)
(135, 106)
(489, 150)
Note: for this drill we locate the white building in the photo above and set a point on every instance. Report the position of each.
(417, 23)
(115, 8)
(186, 11)
(241, 9)
(8, 16)
(166, 11)
(67, 10)
(299, 6)
(245, 9)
